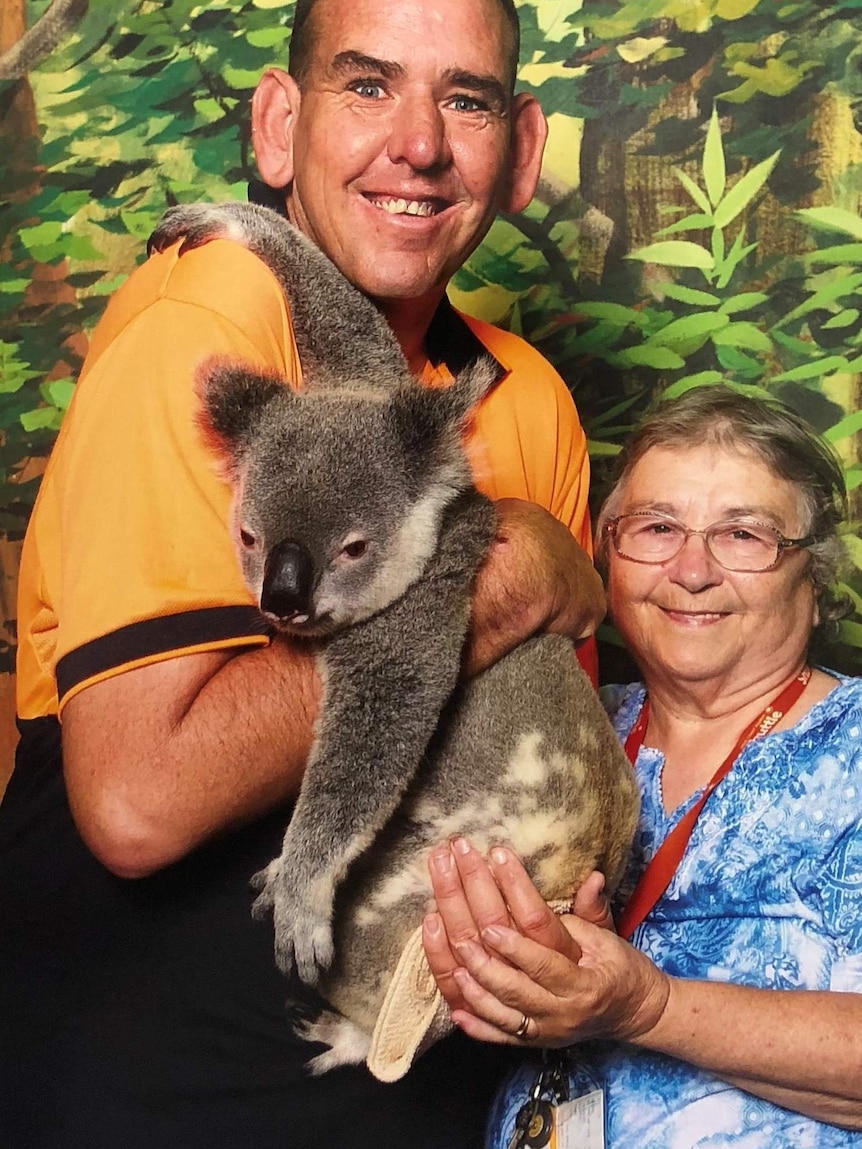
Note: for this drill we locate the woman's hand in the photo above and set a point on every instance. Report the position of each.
(500, 956)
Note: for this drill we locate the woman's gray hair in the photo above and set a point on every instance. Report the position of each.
(781, 440)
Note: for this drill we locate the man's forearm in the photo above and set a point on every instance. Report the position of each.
(162, 758)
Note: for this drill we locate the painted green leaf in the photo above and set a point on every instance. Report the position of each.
(691, 295)
(694, 191)
(744, 335)
(714, 170)
(845, 318)
(674, 253)
(241, 79)
(689, 327)
(818, 368)
(732, 359)
(853, 479)
(844, 428)
(743, 302)
(701, 379)
(58, 392)
(850, 633)
(613, 313)
(853, 546)
(661, 358)
(832, 219)
(824, 296)
(744, 191)
(612, 413)
(690, 223)
(47, 418)
(841, 253)
(42, 236)
(273, 37)
(597, 447)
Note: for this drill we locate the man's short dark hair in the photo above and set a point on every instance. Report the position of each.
(302, 38)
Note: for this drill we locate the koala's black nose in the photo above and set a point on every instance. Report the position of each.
(288, 579)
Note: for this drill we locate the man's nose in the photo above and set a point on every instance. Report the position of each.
(694, 566)
(418, 134)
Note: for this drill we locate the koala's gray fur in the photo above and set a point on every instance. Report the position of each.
(358, 525)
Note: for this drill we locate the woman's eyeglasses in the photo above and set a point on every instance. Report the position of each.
(645, 537)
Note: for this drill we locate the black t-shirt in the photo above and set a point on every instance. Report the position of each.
(150, 1014)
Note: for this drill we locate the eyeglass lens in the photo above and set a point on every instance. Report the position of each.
(737, 546)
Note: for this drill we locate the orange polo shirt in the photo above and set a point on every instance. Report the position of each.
(128, 559)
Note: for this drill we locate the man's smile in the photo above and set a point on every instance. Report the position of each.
(398, 205)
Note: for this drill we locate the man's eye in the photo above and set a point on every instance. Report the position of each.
(368, 89)
(659, 528)
(467, 104)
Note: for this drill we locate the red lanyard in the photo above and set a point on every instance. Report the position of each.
(657, 876)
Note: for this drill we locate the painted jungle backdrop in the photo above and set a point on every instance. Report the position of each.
(698, 217)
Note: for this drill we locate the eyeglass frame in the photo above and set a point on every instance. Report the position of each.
(609, 527)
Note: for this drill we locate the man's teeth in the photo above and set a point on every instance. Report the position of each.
(405, 206)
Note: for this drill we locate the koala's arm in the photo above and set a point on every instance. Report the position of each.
(387, 681)
(160, 759)
(535, 578)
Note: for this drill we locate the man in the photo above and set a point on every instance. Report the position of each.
(139, 1003)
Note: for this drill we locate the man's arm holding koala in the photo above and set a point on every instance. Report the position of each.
(536, 579)
(162, 758)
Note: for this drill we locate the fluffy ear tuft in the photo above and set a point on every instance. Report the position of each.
(232, 398)
(471, 385)
(433, 419)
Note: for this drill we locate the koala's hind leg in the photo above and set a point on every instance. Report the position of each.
(387, 681)
(348, 1044)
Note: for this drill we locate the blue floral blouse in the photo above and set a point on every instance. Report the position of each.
(768, 894)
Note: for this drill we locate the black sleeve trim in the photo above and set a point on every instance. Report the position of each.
(155, 636)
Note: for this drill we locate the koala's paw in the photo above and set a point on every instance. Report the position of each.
(305, 944)
(302, 917)
(198, 223)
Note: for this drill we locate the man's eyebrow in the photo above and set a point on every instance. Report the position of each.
(354, 63)
(488, 86)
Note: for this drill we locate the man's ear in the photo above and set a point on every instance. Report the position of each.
(274, 108)
(529, 132)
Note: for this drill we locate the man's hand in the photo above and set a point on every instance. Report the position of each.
(535, 579)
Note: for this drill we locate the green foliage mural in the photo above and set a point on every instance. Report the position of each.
(698, 216)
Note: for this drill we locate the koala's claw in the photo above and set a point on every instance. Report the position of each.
(197, 223)
(308, 947)
(303, 932)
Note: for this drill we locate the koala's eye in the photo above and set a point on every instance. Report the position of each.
(247, 538)
(356, 549)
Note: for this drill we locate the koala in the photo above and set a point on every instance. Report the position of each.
(358, 528)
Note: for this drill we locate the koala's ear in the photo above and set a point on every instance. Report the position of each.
(433, 418)
(232, 400)
(471, 385)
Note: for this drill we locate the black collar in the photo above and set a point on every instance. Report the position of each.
(449, 340)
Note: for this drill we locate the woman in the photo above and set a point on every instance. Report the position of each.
(719, 540)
